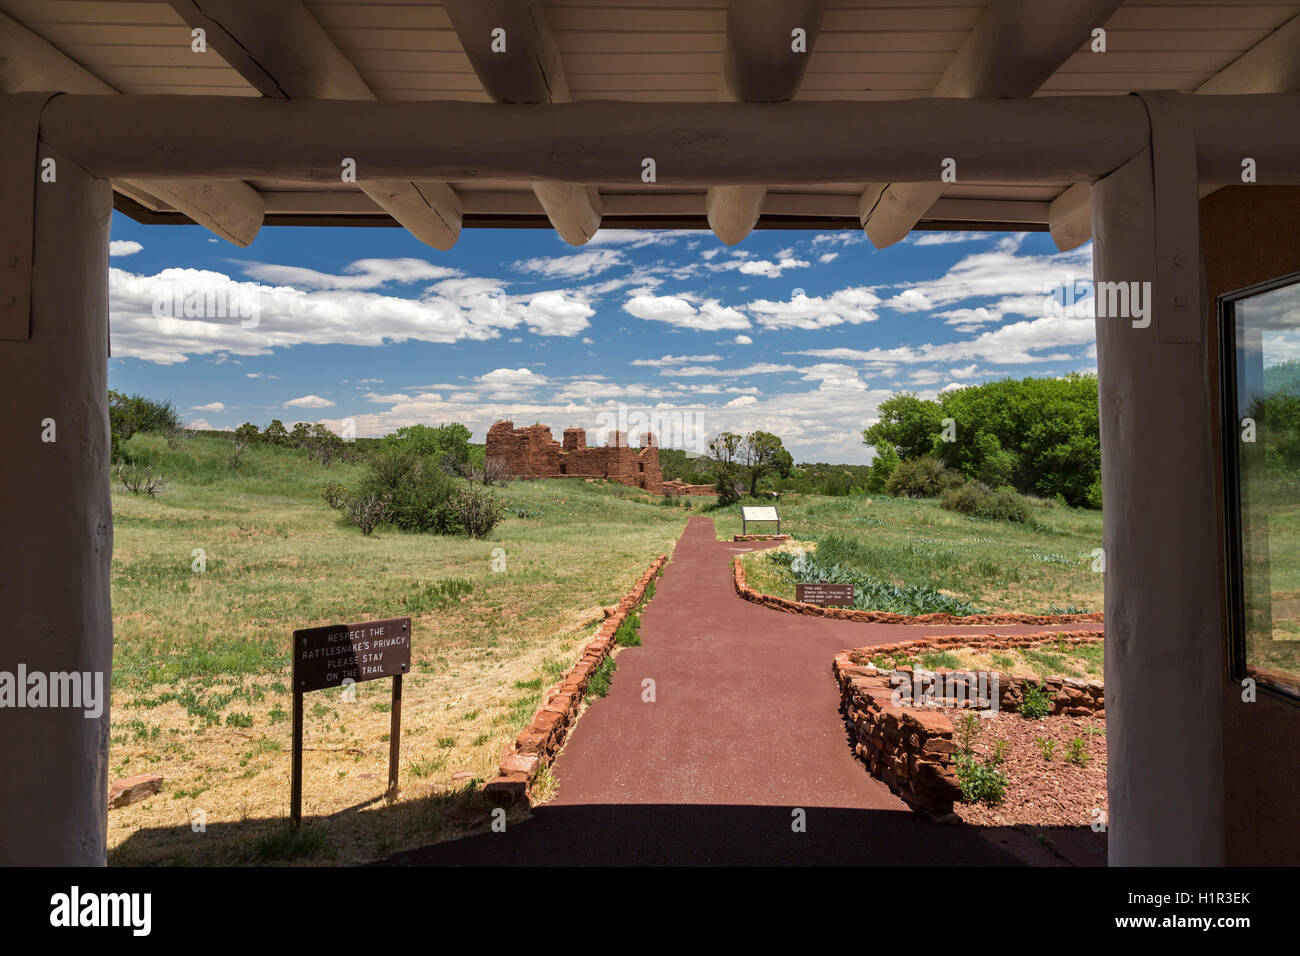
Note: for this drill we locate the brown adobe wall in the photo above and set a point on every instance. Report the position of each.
(533, 452)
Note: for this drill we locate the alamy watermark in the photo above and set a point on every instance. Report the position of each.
(1084, 299)
(968, 690)
(672, 427)
(59, 689)
(235, 301)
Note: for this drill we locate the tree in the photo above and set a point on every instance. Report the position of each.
(247, 434)
(128, 414)
(762, 452)
(724, 461)
(1038, 435)
(907, 424)
(322, 444)
(882, 466)
(448, 443)
(275, 433)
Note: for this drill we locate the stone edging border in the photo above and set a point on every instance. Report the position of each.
(536, 746)
(887, 617)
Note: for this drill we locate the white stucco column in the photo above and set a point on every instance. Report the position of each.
(1163, 617)
(58, 530)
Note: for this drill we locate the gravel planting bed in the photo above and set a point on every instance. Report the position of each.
(1041, 792)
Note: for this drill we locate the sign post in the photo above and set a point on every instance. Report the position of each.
(340, 654)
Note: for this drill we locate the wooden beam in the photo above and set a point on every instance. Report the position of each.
(732, 211)
(650, 205)
(1070, 217)
(29, 62)
(1014, 48)
(283, 51)
(514, 54)
(1035, 140)
(760, 63)
(1271, 66)
(279, 48)
(430, 210)
(510, 45)
(768, 46)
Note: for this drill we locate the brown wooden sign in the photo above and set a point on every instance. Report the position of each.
(333, 655)
(839, 595)
(340, 654)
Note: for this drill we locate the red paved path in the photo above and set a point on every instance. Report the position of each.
(745, 727)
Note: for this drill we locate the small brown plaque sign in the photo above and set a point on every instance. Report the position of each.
(839, 595)
(333, 655)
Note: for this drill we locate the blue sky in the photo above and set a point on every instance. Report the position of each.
(797, 332)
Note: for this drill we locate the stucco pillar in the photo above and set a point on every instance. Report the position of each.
(58, 531)
(1164, 637)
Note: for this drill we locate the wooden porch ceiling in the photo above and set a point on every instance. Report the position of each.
(645, 51)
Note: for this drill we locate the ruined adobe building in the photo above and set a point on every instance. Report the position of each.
(533, 452)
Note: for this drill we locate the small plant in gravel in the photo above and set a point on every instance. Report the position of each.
(999, 753)
(1037, 704)
(1077, 752)
(980, 782)
(1046, 747)
(968, 728)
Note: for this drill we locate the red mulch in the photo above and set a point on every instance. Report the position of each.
(1040, 792)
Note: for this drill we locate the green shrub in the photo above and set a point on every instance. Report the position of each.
(980, 782)
(476, 509)
(1077, 752)
(924, 477)
(128, 414)
(976, 499)
(1046, 747)
(1006, 505)
(420, 491)
(1037, 704)
(969, 498)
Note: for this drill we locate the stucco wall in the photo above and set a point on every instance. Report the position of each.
(1249, 235)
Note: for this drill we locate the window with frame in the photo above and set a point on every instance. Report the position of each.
(1260, 328)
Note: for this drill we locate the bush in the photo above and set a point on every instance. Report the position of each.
(128, 414)
(1036, 704)
(969, 499)
(367, 511)
(980, 782)
(924, 477)
(477, 509)
(335, 495)
(419, 490)
(136, 479)
(976, 499)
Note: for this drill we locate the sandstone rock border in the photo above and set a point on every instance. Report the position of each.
(539, 742)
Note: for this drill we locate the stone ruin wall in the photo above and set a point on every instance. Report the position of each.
(533, 452)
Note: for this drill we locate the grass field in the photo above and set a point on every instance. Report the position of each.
(1033, 567)
(201, 658)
